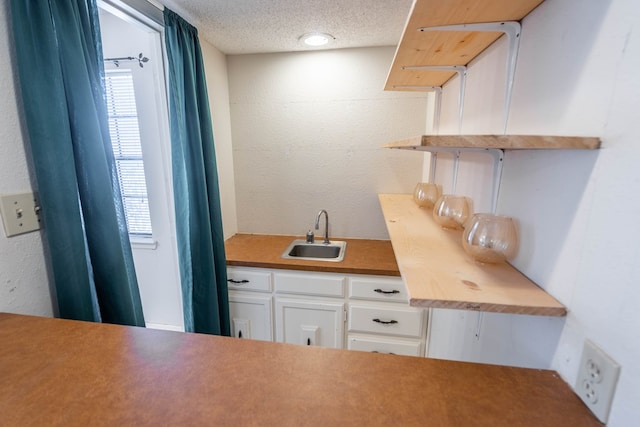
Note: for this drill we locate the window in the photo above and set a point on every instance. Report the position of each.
(125, 140)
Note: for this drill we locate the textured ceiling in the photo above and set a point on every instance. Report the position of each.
(258, 26)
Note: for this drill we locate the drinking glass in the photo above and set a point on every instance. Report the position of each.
(451, 211)
(426, 194)
(490, 238)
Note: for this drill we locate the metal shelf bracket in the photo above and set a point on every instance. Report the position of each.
(498, 162)
(512, 30)
(462, 74)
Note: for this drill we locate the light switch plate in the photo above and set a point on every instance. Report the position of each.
(20, 213)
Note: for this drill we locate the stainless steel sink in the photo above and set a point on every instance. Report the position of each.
(318, 251)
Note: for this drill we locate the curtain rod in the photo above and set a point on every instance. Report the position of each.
(116, 61)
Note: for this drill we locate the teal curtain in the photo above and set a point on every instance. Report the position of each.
(195, 184)
(59, 59)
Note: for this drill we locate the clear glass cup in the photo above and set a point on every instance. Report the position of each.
(426, 194)
(451, 211)
(490, 238)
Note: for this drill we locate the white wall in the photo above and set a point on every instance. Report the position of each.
(215, 64)
(578, 211)
(307, 131)
(24, 284)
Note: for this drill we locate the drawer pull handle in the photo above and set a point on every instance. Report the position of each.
(239, 334)
(376, 351)
(380, 291)
(308, 341)
(385, 322)
(238, 282)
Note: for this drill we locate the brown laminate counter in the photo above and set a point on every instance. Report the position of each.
(70, 373)
(362, 256)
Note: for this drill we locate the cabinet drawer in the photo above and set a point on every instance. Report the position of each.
(382, 345)
(309, 284)
(378, 289)
(248, 279)
(383, 320)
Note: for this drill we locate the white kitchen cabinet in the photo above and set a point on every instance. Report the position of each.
(251, 316)
(250, 303)
(304, 314)
(380, 319)
(310, 322)
(313, 308)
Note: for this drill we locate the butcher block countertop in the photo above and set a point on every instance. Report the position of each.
(362, 256)
(68, 373)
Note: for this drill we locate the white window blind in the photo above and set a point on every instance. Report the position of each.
(125, 140)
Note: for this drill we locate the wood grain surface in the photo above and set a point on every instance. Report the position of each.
(503, 142)
(448, 47)
(438, 273)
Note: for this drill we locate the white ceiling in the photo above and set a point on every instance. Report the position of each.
(259, 26)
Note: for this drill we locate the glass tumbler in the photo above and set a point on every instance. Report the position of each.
(451, 211)
(426, 194)
(490, 238)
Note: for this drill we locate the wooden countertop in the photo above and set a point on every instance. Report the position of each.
(70, 373)
(362, 256)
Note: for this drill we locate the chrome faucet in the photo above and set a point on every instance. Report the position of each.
(326, 225)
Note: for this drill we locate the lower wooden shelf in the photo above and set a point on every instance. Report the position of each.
(499, 142)
(438, 273)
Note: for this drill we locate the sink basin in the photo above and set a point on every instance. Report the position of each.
(318, 251)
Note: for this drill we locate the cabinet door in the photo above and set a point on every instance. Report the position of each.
(305, 322)
(250, 316)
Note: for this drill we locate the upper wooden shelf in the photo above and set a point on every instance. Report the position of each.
(438, 273)
(448, 47)
(502, 142)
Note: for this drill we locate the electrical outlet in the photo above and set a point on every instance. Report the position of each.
(597, 379)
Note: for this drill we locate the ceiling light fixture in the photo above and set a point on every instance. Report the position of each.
(316, 39)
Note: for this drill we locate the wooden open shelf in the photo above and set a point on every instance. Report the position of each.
(438, 273)
(503, 142)
(448, 47)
